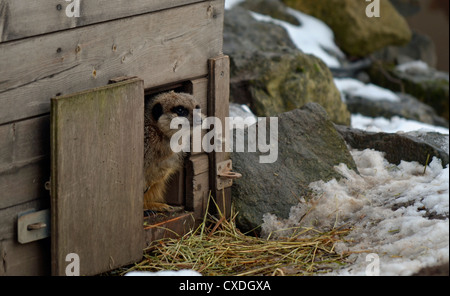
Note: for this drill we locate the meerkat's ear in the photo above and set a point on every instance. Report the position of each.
(157, 111)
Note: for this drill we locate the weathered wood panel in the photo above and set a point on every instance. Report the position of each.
(25, 18)
(31, 259)
(17, 259)
(97, 180)
(197, 185)
(160, 47)
(24, 160)
(219, 92)
(172, 227)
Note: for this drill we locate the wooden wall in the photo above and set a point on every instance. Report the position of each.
(44, 54)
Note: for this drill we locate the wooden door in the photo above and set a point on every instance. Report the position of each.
(97, 178)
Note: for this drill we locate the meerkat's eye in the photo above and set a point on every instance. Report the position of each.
(180, 111)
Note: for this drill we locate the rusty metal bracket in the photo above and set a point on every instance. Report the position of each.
(225, 175)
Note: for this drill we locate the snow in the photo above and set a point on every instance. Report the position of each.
(393, 125)
(397, 213)
(230, 3)
(415, 67)
(354, 87)
(312, 37)
(388, 208)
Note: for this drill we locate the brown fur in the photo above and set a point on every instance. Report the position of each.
(160, 162)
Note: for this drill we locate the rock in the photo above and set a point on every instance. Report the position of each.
(438, 270)
(271, 75)
(408, 107)
(421, 48)
(309, 148)
(355, 33)
(413, 146)
(273, 8)
(417, 79)
(407, 7)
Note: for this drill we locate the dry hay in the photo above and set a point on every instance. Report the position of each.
(218, 248)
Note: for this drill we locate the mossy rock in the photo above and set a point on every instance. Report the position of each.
(355, 32)
(271, 75)
(290, 81)
(431, 88)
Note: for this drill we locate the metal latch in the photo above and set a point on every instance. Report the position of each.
(225, 175)
(33, 226)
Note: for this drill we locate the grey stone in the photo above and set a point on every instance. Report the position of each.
(309, 148)
(271, 75)
(408, 107)
(414, 146)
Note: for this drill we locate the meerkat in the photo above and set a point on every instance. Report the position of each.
(160, 162)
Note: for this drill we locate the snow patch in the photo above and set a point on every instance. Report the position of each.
(393, 125)
(414, 67)
(353, 87)
(230, 3)
(312, 37)
(400, 212)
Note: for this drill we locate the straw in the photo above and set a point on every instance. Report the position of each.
(218, 248)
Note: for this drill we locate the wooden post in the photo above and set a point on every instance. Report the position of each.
(218, 99)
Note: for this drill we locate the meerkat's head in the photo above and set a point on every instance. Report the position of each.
(167, 106)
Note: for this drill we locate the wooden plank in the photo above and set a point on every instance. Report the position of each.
(25, 18)
(31, 259)
(160, 47)
(18, 259)
(199, 89)
(200, 92)
(24, 160)
(97, 177)
(197, 185)
(218, 106)
(24, 182)
(171, 227)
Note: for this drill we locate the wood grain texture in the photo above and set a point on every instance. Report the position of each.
(197, 185)
(97, 177)
(172, 227)
(160, 47)
(17, 259)
(25, 18)
(219, 92)
(24, 161)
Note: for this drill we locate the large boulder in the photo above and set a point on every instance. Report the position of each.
(417, 79)
(271, 75)
(421, 48)
(407, 107)
(355, 33)
(308, 149)
(413, 146)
